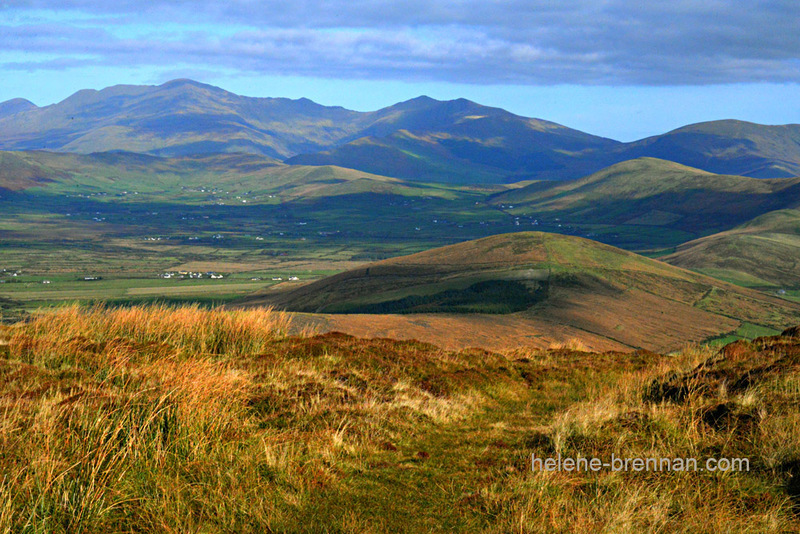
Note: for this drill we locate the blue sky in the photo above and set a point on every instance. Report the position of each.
(617, 68)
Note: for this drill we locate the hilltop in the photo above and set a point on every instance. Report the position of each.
(549, 280)
(727, 147)
(764, 252)
(649, 196)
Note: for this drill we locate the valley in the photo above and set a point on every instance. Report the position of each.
(375, 267)
(182, 222)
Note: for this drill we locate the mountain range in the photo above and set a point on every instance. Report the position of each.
(422, 139)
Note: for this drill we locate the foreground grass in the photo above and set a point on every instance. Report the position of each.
(190, 420)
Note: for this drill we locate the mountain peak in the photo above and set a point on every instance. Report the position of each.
(422, 99)
(179, 82)
(186, 83)
(15, 105)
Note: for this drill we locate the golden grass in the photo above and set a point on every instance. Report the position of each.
(573, 344)
(164, 419)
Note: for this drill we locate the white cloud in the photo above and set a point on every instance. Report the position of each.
(540, 42)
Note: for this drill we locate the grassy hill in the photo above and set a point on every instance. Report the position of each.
(157, 419)
(129, 218)
(764, 252)
(727, 147)
(552, 279)
(649, 195)
(191, 179)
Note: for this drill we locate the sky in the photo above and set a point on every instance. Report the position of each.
(618, 68)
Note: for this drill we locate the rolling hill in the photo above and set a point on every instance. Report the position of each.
(727, 147)
(547, 281)
(193, 178)
(764, 252)
(648, 192)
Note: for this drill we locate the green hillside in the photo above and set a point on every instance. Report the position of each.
(647, 195)
(129, 177)
(727, 147)
(764, 252)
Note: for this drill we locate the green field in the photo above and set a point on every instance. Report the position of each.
(747, 331)
(129, 218)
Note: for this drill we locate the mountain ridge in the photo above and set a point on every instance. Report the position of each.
(421, 139)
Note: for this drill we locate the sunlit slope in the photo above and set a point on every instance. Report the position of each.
(185, 178)
(555, 279)
(470, 143)
(654, 192)
(764, 252)
(727, 147)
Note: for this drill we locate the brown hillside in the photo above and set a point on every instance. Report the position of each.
(531, 289)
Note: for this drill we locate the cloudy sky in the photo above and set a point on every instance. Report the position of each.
(620, 68)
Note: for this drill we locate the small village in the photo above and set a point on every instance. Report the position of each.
(182, 275)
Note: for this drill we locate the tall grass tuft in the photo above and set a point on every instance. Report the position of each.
(187, 330)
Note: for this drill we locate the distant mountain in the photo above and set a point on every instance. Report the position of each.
(178, 118)
(656, 193)
(183, 117)
(16, 105)
(551, 279)
(764, 252)
(460, 141)
(727, 147)
(502, 147)
(422, 139)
